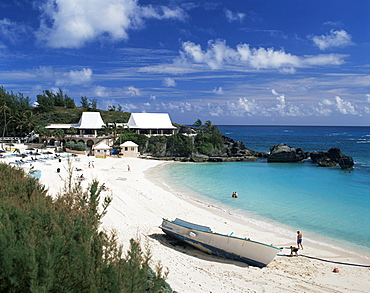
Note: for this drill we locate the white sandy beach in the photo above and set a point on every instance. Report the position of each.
(141, 201)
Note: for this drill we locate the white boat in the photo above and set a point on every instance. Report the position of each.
(201, 237)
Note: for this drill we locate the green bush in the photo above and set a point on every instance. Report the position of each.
(57, 245)
(80, 146)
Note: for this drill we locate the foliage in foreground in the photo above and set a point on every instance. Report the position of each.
(55, 245)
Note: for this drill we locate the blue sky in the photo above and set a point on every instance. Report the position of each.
(260, 62)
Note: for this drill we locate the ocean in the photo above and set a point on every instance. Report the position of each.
(328, 205)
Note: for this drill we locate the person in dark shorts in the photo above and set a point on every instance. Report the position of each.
(299, 240)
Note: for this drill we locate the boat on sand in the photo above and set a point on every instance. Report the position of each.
(201, 237)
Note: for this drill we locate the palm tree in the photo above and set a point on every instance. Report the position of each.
(4, 109)
(25, 121)
(198, 124)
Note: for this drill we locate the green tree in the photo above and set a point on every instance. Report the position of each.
(85, 102)
(4, 109)
(69, 102)
(58, 134)
(94, 104)
(59, 100)
(45, 102)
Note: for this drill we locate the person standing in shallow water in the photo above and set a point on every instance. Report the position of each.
(299, 240)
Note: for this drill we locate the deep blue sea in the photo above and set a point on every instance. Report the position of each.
(329, 205)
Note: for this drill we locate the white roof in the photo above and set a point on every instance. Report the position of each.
(90, 120)
(128, 143)
(102, 146)
(150, 121)
(61, 126)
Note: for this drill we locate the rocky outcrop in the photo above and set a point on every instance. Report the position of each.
(346, 163)
(331, 158)
(283, 153)
(237, 149)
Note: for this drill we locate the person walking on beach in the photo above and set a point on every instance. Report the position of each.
(128, 168)
(299, 240)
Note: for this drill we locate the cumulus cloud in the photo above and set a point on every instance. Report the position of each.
(100, 91)
(72, 77)
(70, 24)
(274, 92)
(218, 56)
(132, 91)
(234, 16)
(345, 107)
(336, 38)
(218, 90)
(169, 82)
(75, 77)
(368, 98)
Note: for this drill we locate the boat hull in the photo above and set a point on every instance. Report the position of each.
(235, 248)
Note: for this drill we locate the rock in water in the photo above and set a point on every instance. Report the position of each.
(346, 163)
(284, 153)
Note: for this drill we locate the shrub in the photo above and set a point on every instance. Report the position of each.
(57, 245)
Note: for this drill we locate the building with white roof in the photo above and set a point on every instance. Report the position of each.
(101, 150)
(89, 124)
(129, 149)
(151, 124)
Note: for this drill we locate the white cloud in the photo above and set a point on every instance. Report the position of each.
(70, 24)
(132, 91)
(75, 77)
(100, 91)
(326, 102)
(13, 32)
(339, 38)
(72, 77)
(218, 56)
(345, 107)
(234, 16)
(169, 82)
(275, 93)
(368, 98)
(218, 90)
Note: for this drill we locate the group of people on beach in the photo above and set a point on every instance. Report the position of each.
(294, 249)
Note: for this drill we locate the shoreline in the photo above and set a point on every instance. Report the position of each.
(283, 230)
(264, 225)
(142, 200)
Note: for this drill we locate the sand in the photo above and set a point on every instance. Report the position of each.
(141, 199)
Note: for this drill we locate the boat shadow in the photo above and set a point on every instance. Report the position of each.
(192, 251)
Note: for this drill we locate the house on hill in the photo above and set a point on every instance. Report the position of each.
(89, 124)
(151, 124)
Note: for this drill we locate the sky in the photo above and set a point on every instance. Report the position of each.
(232, 62)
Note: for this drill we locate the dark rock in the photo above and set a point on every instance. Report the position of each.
(331, 158)
(199, 158)
(346, 163)
(284, 153)
(326, 162)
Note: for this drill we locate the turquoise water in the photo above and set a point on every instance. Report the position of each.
(324, 202)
